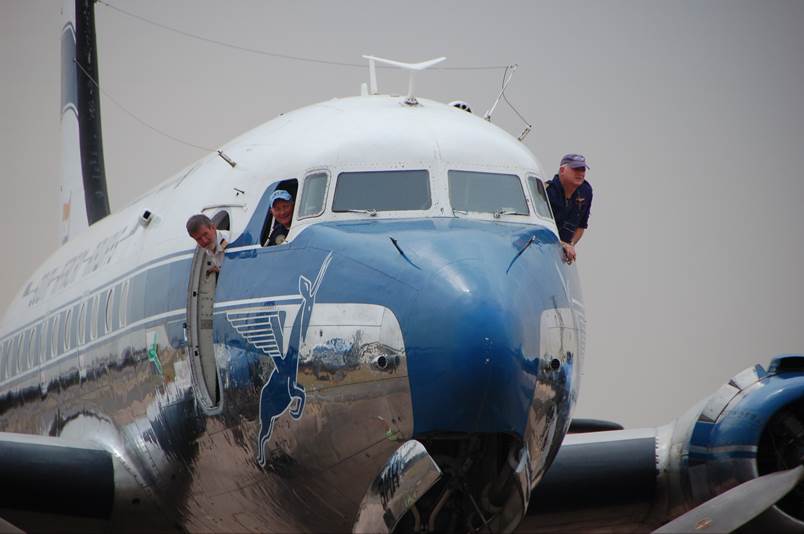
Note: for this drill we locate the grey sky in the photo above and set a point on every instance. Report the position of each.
(690, 114)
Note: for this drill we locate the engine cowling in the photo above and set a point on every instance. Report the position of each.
(640, 479)
(752, 426)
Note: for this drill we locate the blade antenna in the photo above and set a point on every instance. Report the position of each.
(412, 68)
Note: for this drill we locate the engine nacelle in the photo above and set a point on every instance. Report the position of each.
(752, 426)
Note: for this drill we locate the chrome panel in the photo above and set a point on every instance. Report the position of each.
(514, 509)
(407, 475)
(177, 466)
(559, 366)
(747, 377)
(718, 402)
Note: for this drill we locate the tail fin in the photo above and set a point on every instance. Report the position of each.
(84, 197)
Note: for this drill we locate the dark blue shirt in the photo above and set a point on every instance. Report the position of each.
(570, 213)
(278, 234)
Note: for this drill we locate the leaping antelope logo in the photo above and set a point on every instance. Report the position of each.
(263, 329)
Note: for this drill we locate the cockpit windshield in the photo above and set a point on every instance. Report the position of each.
(487, 192)
(375, 191)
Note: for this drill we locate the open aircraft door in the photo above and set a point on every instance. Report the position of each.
(200, 307)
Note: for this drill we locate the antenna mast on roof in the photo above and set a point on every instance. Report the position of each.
(412, 68)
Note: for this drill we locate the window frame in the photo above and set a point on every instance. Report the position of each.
(303, 188)
(550, 215)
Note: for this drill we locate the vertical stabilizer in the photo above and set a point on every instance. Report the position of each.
(84, 198)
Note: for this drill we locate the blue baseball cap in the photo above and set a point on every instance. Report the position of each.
(574, 161)
(280, 193)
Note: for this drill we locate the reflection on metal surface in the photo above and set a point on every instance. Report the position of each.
(405, 477)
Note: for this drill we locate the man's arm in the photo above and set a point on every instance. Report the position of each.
(569, 248)
(577, 236)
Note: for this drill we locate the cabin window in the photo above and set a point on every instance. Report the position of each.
(382, 191)
(32, 347)
(54, 336)
(22, 361)
(100, 315)
(487, 192)
(7, 346)
(67, 329)
(109, 309)
(539, 195)
(30, 360)
(123, 303)
(90, 314)
(36, 345)
(21, 354)
(43, 341)
(5, 356)
(25, 351)
(314, 194)
(3, 361)
(11, 351)
(82, 323)
(16, 346)
(9, 363)
(93, 317)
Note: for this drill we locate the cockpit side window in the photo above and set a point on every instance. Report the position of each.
(487, 192)
(314, 194)
(375, 191)
(539, 197)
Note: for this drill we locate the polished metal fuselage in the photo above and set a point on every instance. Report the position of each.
(466, 334)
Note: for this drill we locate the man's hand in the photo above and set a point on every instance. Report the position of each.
(569, 252)
(213, 269)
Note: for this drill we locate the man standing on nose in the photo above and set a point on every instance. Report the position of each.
(571, 199)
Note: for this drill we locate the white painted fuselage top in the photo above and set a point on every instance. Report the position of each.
(366, 133)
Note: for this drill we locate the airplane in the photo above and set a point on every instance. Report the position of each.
(408, 360)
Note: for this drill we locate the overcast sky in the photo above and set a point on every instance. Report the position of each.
(690, 114)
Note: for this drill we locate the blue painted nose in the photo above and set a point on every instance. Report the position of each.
(473, 341)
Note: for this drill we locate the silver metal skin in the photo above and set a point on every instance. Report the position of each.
(684, 487)
(690, 469)
(198, 472)
(407, 475)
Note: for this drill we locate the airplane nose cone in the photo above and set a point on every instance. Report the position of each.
(473, 360)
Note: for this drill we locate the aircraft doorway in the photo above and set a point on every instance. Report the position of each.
(200, 307)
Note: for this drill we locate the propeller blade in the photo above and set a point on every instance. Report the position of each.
(736, 507)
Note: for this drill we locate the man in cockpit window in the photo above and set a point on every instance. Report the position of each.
(213, 241)
(571, 199)
(282, 210)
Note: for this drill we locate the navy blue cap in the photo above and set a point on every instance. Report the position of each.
(574, 161)
(280, 193)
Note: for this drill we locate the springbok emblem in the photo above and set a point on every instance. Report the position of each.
(281, 392)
